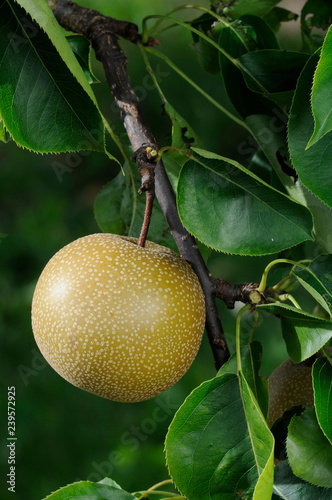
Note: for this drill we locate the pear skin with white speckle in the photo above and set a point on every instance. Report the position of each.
(289, 385)
(118, 320)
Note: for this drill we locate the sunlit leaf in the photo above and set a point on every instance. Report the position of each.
(231, 210)
(45, 106)
(322, 382)
(313, 165)
(219, 445)
(321, 97)
(86, 490)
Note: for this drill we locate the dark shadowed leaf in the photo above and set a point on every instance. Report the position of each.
(183, 137)
(119, 209)
(245, 101)
(257, 7)
(257, 29)
(278, 15)
(81, 48)
(287, 486)
(315, 14)
(272, 70)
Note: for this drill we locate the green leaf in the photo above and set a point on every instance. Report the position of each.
(240, 7)
(317, 280)
(312, 165)
(110, 482)
(82, 48)
(290, 487)
(315, 13)
(303, 333)
(4, 136)
(273, 70)
(183, 137)
(322, 215)
(262, 442)
(207, 55)
(321, 98)
(260, 166)
(245, 101)
(270, 134)
(322, 268)
(109, 205)
(231, 210)
(251, 360)
(250, 367)
(278, 15)
(262, 33)
(86, 490)
(322, 383)
(309, 452)
(45, 106)
(218, 444)
(119, 209)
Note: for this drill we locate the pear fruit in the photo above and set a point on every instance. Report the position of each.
(118, 320)
(290, 385)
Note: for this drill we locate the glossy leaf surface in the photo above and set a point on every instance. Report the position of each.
(218, 443)
(321, 98)
(86, 490)
(303, 333)
(287, 486)
(313, 165)
(322, 383)
(273, 70)
(45, 107)
(230, 209)
(317, 280)
(81, 48)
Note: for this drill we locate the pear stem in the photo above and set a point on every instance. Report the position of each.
(147, 218)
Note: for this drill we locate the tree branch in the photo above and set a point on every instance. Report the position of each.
(95, 27)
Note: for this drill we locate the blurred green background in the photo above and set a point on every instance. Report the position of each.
(63, 433)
